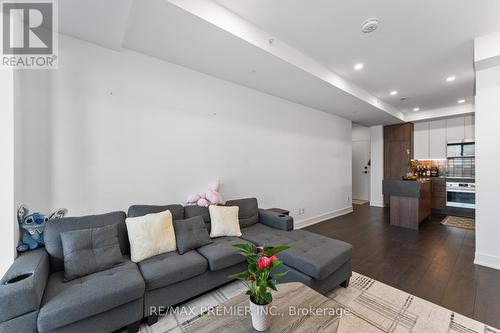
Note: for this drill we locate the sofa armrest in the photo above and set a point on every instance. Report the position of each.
(22, 287)
(275, 220)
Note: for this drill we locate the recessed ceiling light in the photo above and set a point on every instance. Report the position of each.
(416, 109)
(358, 66)
(450, 79)
(394, 92)
(461, 101)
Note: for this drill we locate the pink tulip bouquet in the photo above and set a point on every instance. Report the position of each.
(259, 277)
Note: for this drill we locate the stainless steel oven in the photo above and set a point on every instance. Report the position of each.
(461, 194)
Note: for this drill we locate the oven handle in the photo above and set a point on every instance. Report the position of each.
(460, 190)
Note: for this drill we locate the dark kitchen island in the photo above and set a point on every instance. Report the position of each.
(410, 201)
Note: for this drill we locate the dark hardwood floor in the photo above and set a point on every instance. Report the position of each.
(435, 263)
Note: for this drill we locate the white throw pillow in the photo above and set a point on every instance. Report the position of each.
(150, 235)
(224, 221)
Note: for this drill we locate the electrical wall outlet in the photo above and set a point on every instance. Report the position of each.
(301, 211)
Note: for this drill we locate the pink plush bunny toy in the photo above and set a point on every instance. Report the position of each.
(211, 197)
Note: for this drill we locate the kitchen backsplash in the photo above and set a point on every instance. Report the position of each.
(461, 167)
(453, 167)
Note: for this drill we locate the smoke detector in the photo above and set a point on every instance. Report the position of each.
(369, 25)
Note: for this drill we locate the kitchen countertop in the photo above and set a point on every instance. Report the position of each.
(452, 179)
(459, 179)
(403, 188)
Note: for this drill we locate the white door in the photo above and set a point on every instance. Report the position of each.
(361, 170)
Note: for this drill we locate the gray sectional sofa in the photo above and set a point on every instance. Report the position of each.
(35, 298)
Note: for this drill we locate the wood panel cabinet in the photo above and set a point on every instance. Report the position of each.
(438, 194)
(398, 151)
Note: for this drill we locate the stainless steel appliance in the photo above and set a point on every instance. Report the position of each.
(461, 194)
(466, 148)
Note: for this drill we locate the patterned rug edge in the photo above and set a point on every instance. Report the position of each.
(367, 303)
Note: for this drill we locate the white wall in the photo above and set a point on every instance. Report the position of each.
(127, 128)
(360, 133)
(487, 160)
(33, 160)
(377, 165)
(7, 222)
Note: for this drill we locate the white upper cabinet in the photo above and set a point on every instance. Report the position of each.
(469, 128)
(431, 137)
(437, 139)
(421, 141)
(455, 129)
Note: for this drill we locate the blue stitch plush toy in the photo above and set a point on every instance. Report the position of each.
(32, 226)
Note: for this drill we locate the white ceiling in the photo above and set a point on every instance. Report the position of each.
(97, 21)
(317, 43)
(417, 45)
(165, 31)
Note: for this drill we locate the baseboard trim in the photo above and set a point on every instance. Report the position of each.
(487, 260)
(377, 204)
(320, 218)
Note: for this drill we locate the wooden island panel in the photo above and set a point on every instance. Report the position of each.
(410, 202)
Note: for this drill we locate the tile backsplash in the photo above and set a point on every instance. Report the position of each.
(440, 164)
(452, 167)
(461, 167)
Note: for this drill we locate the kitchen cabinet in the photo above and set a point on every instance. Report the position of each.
(430, 140)
(421, 140)
(398, 151)
(455, 129)
(410, 201)
(469, 128)
(438, 191)
(431, 137)
(437, 139)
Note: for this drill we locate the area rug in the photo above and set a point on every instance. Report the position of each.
(459, 222)
(373, 307)
(359, 202)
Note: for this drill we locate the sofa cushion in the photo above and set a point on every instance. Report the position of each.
(141, 210)
(169, 268)
(68, 302)
(53, 229)
(315, 255)
(260, 234)
(195, 210)
(224, 221)
(151, 235)
(190, 234)
(248, 213)
(221, 254)
(90, 250)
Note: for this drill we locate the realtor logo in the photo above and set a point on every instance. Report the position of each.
(29, 38)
